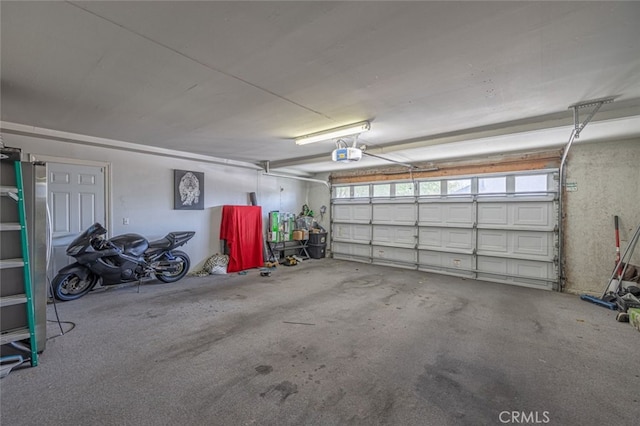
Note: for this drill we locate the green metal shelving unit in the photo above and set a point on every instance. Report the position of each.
(26, 333)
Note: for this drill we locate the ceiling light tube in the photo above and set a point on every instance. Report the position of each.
(338, 132)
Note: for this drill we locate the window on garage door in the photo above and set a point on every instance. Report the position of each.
(432, 187)
(458, 186)
(492, 185)
(382, 190)
(361, 191)
(531, 183)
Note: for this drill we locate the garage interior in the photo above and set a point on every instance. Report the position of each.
(497, 142)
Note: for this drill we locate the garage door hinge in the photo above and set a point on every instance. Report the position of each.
(556, 229)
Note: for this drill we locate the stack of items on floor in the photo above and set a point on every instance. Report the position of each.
(627, 297)
(284, 227)
(214, 265)
(622, 292)
(312, 232)
(281, 226)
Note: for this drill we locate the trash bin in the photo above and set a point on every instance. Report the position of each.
(317, 244)
(317, 238)
(317, 251)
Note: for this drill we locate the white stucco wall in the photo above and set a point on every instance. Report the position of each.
(607, 175)
(320, 195)
(142, 190)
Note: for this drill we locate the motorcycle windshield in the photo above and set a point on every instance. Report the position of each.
(84, 239)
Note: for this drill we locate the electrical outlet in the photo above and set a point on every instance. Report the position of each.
(125, 220)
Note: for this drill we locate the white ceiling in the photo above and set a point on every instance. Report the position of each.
(239, 80)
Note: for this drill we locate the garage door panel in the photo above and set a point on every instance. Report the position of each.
(493, 265)
(459, 213)
(397, 254)
(342, 250)
(394, 235)
(521, 282)
(352, 232)
(524, 282)
(447, 263)
(515, 267)
(360, 213)
(533, 244)
(532, 214)
(492, 214)
(430, 214)
(494, 241)
(528, 268)
(442, 214)
(445, 260)
(514, 214)
(401, 214)
(521, 244)
(430, 237)
(446, 238)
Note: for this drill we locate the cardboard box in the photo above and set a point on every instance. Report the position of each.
(297, 235)
(274, 226)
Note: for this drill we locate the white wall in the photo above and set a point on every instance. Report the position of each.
(142, 190)
(320, 195)
(607, 175)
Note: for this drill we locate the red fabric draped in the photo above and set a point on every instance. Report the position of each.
(241, 227)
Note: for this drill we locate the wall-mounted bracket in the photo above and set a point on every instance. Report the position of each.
(595, 103)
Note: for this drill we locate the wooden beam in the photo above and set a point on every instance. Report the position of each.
(504, 164)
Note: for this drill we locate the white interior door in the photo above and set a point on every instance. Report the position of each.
(76, 199)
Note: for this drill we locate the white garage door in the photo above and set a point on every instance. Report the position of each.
(500, 228)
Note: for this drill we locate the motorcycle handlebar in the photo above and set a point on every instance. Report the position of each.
(101, 243)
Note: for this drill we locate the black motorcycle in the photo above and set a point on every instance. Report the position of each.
(122, 259)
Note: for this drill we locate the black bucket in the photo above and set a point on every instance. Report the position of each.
(317, 251)
(317, 239)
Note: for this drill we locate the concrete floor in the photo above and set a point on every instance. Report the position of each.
(330, 343)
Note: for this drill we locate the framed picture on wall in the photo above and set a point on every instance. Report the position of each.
(188, 190)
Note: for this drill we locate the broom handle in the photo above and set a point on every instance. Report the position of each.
(615, 221)
(631, 246)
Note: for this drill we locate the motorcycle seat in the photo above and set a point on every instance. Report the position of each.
(131, 244)
(162, 243)
(172, 240)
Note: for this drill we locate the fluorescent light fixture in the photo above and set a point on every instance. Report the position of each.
(338, 132)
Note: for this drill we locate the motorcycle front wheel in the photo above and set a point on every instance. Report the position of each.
(71, 287)
(179, 266)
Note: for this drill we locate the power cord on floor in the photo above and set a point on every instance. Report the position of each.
(55, 309)
(62, 332)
